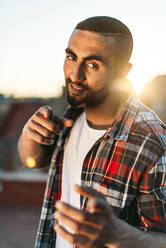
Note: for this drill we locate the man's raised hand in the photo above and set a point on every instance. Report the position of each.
(43, 126)
(92, 228)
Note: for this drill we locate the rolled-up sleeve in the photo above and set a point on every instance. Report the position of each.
(152, 197)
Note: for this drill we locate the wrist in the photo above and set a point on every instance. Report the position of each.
(116, 232)
(127, 236)
(122, 235)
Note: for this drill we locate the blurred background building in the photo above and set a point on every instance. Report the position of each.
(154, 96)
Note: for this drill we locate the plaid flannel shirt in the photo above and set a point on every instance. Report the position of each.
(127, 164)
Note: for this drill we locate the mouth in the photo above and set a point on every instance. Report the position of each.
(75, 90)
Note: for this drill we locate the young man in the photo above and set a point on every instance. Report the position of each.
(107, 142)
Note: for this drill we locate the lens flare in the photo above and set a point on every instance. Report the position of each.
(30, 162)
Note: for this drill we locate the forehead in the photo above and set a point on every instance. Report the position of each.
(87, 42)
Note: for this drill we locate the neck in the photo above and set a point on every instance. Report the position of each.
(107, 112)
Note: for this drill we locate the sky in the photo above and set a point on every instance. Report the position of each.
(35, 33)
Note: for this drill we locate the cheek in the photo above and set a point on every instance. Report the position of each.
(66, 68)
(99, 81)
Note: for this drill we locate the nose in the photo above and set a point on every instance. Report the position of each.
(77, 73)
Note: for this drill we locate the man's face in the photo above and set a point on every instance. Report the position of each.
(89, 68)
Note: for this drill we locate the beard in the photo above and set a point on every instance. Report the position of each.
(91, 99)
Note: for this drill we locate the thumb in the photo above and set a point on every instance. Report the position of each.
(47, 112)
(63, 121)
(96, 200)
(98, 205)
(88, 191)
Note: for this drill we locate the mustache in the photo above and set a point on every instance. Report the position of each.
(77, 83)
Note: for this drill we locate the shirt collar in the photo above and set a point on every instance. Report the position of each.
(122, 125)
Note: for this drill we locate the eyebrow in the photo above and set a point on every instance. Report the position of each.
(90, 57)
(68, 50)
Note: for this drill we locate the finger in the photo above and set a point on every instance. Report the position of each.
(34, 135)
(88, 192)
(63, 121)
(71, 238)
(46, 111)
(47, 123)
(42, 130)
(98, 205)
(81, 228)
(97, 202)
(64, 208)
(78, 215)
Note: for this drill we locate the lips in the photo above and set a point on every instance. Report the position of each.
(76, 90)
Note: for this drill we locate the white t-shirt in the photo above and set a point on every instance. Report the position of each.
(82, 138)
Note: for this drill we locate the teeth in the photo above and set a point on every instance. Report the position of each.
(77, 88)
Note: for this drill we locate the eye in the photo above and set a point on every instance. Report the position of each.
(70, 57)
(93, 65)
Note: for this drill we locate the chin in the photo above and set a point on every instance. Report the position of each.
(75, 102)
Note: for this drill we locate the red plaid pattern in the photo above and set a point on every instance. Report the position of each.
(127, 165)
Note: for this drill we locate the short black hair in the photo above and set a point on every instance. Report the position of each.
(116, 29)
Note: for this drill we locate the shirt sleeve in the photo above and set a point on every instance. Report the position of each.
(152, 197)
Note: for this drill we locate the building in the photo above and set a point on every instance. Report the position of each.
(154, 96)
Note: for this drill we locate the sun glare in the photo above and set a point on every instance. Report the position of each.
(138, 87)
(139, 77)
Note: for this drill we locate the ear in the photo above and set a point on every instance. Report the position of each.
(126, 69)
